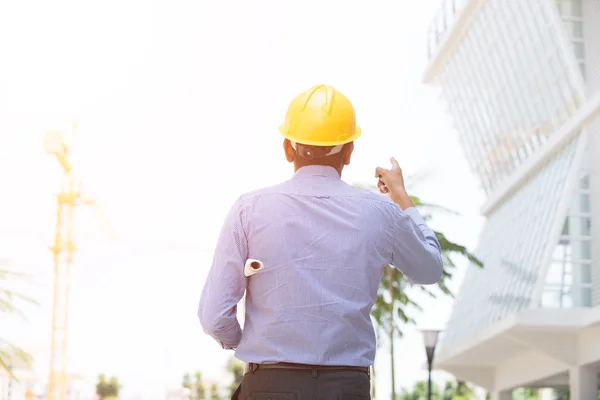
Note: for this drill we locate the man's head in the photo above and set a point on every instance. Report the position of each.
(320, 129)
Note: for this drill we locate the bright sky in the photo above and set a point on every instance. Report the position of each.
(178, 104)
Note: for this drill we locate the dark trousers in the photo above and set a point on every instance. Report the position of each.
(300, 384)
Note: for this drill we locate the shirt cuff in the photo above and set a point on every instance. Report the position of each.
(415, 215)
(226, 346)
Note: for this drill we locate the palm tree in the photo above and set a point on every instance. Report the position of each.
(10, 354)
(393, 300)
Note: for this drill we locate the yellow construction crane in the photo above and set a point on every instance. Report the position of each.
(68, 199)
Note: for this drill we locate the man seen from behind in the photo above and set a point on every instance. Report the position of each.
(324, 244)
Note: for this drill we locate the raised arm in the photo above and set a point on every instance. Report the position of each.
(415, 249)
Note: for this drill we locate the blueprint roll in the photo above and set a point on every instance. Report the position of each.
(253, 266)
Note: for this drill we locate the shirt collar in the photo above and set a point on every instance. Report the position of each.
(317, 170)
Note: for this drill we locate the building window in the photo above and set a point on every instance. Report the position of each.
(569, 279)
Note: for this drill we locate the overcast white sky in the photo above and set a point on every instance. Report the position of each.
(178, 104)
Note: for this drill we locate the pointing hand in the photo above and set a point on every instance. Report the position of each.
(391, 182)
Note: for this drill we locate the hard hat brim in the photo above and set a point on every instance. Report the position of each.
(285, 133)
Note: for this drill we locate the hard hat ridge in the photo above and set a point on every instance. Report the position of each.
(320, 116)
(329, 97)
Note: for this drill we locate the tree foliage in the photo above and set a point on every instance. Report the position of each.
(200, 390)
(186, 382)
(107, 389)
(195, 385)
(10, 354)
(236, 369)
(197, 390)
(563, 394)
(214, 392)
(458, 390)
(453, 390)
(419, 392)
(526, 394)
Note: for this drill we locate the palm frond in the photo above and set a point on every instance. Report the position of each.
(450, 247)
(10, 354)
(5, 274)
(428, 292)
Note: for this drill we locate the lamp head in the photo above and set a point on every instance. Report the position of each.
(430, 338)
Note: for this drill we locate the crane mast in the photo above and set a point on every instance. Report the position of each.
(67, 201)
(62, 249)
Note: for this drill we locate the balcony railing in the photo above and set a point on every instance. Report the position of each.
(442, 21)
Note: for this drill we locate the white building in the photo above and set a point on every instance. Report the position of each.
(521, 79)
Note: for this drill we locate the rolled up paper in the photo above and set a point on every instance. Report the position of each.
(252, 267)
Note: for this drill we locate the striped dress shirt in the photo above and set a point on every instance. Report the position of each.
(324, 245)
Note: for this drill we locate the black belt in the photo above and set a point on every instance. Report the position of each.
(251, 367)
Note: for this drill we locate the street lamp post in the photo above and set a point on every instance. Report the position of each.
(430, 338)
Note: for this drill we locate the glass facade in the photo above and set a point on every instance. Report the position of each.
(509, 86)
(513, 244)
(569, 282)
(442, 23)
(571, 13)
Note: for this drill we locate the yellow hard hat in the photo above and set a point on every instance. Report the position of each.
(320, 116)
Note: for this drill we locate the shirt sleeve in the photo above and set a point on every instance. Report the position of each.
(415, 249)
(226, 283)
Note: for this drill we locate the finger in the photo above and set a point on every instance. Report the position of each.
(382, 187)
(395, 165)
(381, 172)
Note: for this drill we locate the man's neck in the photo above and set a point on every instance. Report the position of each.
(298, 166)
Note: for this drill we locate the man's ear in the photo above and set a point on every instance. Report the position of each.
(290, 153)
(348, 149)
